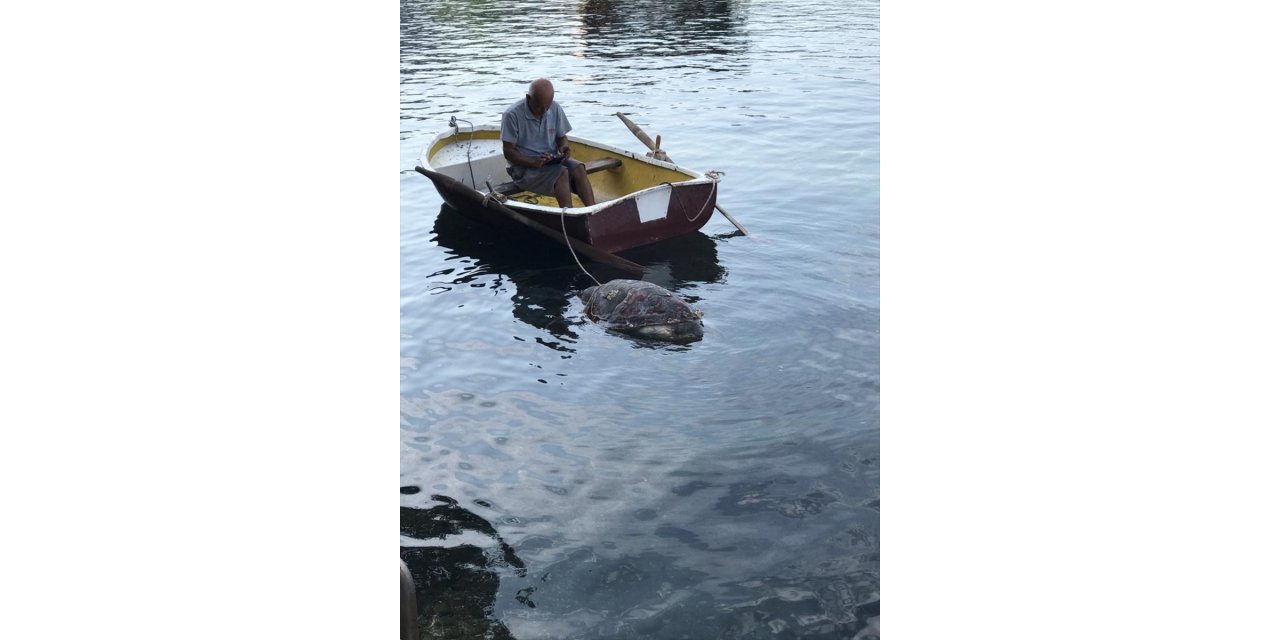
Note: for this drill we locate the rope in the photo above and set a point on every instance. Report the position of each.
(571, 251)
(714, 176)
(470, 141)
(492, 195)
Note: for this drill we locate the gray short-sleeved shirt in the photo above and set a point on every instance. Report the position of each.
(533, 136)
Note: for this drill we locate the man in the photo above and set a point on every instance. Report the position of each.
(534, 133)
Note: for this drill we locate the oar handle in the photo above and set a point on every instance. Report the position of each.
(635, 128)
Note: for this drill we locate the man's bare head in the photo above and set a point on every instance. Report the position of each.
(540, 95)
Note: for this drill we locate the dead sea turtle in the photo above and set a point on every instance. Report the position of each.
(643, 309)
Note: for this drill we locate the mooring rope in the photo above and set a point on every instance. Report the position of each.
(492, 195)
(570, 245)
(714, 176)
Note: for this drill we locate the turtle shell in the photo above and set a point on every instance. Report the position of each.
(628, 304)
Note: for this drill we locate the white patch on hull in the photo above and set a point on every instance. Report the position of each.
(653, 204)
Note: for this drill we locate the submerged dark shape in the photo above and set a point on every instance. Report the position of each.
(643, 309)
(455, 583)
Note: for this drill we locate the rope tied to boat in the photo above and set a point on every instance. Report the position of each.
(714, 177)
(492, 196)
(457, 131)
(570, 245)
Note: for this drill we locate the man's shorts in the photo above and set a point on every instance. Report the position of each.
(541, 179)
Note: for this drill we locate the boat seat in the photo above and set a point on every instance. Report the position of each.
(510, 188)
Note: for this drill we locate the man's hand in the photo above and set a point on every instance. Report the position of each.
(565, 151)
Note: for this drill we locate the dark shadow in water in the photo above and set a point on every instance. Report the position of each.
(662, 28)
(545, 275)
(456, 585)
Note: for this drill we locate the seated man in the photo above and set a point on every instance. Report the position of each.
(533, 135)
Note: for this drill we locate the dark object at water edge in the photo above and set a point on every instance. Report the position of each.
(408, 605)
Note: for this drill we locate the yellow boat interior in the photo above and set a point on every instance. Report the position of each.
(476, 157)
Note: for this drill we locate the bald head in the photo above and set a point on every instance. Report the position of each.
(540, 95)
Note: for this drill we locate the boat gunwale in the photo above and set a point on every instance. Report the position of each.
(425, 160)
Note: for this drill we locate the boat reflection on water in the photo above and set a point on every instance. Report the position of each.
(455, 558)
(661, 28)
(545, 275)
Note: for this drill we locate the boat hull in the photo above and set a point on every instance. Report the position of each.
(679, 205)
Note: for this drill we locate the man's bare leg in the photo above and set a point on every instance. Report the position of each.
(563, 195)
(582, 185)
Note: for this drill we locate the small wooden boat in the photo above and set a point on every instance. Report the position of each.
(640, 200)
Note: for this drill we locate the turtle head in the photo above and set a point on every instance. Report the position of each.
(585, 294)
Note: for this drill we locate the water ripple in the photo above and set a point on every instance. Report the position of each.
(730, 485)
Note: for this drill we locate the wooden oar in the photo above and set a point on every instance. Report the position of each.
(644, 137)
(579, 246)
(659, 154)
(730, 219)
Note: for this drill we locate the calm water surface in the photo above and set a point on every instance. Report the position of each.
(560, 481)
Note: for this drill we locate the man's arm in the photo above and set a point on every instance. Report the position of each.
(509, 135)
(515, 157)
(562, 145)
